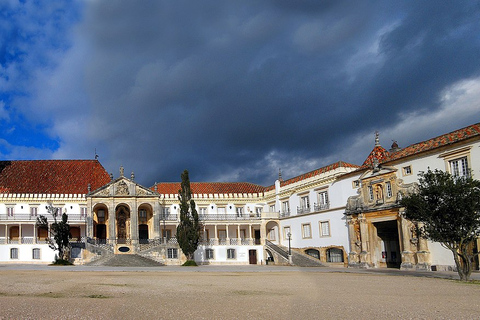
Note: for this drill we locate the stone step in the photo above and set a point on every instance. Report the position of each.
(126, 260)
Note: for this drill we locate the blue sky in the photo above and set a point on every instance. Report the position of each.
(232, 90)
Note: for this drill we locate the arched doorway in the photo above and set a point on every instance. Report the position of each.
(143, 233)
(272, 231)
(100, 221)
(122, 214)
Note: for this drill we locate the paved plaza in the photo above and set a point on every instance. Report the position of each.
(240, 292)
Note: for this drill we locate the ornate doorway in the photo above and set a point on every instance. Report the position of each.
(123, 223)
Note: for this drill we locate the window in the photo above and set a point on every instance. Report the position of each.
(172, 253)
(13, 253)
(101, 213)
(165, 212)
(306, 231)
(304, 202)
(285, 207)
(36, 253)
(239, 211)
(230, 253)
(10, 211)
(286, 231)
(83, 211)
(388, 186)
(202, 211)
(209, 254)
(271, 235)
(167, 233)
(33, 211)
(313, 253)
(334, 255)
(370, 193)
(407, 170)
(459, 167)
(142, 214)
(324, 228)
(221, 210)
(258, 211)
(272, 208)
(59, 211)
(322, 201)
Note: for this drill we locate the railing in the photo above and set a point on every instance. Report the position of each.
(302, 210)
(233, 241)
(169, 217)
(29, 217)
(224, 216)
(285, 214)
(320, 207)
(277, 249)
(222, 242)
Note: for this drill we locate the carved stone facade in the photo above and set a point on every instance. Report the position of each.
(379, 234)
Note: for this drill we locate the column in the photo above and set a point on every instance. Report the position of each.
(407, 255)
(156, 220)
(134, 223)
(227, 241)
(239, 238)
(353, 258)
(250, 238)
(111, 223)
(19, 233)
(34, 234)
(423, 255)
(364, 254)
(216, 235)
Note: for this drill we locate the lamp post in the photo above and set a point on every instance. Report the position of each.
(289, 235)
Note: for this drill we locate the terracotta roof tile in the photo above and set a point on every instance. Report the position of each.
(313, 173)
(51, 176)
(437, 142)
(210, 187)
(378, 153)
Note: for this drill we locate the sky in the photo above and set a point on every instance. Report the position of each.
(232, 90)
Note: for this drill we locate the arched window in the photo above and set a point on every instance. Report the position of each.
(313, 252)
(334, 255)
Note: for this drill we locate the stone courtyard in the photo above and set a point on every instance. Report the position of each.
(223, 293)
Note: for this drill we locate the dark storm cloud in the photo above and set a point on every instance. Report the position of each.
(220, 87)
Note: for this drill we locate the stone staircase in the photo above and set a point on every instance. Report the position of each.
(298, 259)
(125, 260)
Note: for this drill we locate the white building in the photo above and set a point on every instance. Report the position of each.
(341, 214)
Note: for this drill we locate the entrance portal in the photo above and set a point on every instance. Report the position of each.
(123, 221)
(387, 250)
(101, 232)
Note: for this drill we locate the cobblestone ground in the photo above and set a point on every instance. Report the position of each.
(28, 294)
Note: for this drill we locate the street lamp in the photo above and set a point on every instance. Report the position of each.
(289, 235)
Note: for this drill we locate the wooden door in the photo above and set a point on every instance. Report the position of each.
(252, 256)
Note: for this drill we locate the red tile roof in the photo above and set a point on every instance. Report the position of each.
(210, 187)
(51, 176)
(313, 173)
(440, 141)
(384, 156)
(378, 153)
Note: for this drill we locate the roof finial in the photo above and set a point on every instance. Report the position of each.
(280, 174)
(121, 171)
(156, 187)
(377, 138)
(132, 176)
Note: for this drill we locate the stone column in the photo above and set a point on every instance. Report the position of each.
(408, 259)
(353, 257)
(365, 243)
(20, 233)
(134, 223)
(423, 255)
(250, 238)
(227, 240)
(34, 234)
(239, 238)
(111, 223)
(216, 235)
(156, 220)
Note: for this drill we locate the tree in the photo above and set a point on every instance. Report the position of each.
(188, 230)
(59, 231)
(448, 209)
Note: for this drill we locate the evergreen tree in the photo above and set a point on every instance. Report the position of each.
(59, 231)
(449, 209)
(188, 230)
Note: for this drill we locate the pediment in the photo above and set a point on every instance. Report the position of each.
(122, 187)
(378, 172)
